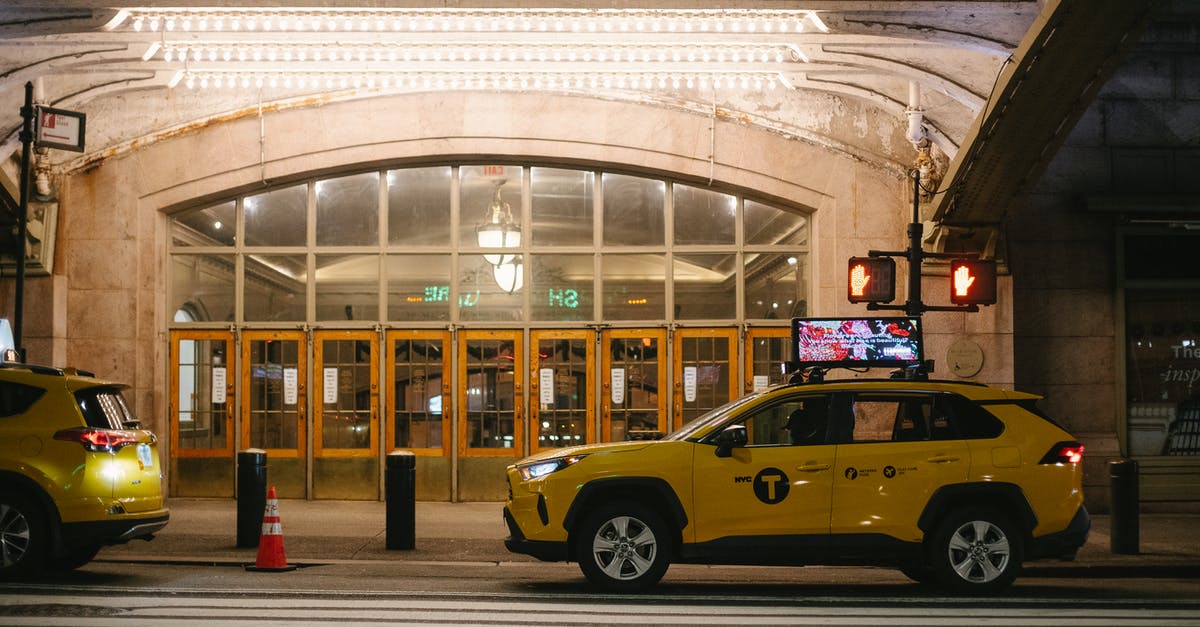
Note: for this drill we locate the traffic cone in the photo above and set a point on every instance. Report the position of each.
(270, 544)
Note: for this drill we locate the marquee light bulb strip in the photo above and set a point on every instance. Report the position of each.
(201, 19)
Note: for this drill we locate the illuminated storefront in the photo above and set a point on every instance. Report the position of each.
(470, 313)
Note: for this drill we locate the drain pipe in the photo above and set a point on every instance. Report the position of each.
(916, 116)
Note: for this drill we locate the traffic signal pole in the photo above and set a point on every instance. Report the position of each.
(915, 255)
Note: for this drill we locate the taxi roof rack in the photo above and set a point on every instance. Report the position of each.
(815, 373)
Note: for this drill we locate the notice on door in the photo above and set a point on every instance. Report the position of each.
(689, 384)
(617, 382)
(291, 380)
(761, 382)
(330, 386)
(546, 386)
(218, 384)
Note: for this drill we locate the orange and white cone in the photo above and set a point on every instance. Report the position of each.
(271, 557)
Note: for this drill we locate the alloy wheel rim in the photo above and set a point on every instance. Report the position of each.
(14, 535)
(979, 552)
(624, 548)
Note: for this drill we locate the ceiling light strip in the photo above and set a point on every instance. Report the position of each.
(200, 19)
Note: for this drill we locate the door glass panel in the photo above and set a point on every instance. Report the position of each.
(767, 355)
(633, 384)
(704, 380)
(560, 389)
(489, 364)
(417, 402)
(346, 393)
(274, 394)
(200, 408)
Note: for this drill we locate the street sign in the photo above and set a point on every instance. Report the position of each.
(61, 129)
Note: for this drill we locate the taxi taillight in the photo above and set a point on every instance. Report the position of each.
(97, 440)
(1064, 453)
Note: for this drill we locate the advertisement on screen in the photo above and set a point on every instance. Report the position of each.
(856, 342)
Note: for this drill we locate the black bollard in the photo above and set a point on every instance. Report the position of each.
(251, 495)
(400, 494)
(1125, 506)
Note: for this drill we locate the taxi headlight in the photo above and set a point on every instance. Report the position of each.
(537, 470)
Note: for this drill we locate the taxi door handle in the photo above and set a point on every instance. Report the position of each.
(812, 467)
(942, 459)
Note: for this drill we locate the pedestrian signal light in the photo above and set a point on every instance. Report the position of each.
(973, 281)
(871, 280)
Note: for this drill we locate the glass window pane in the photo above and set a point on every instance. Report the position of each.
(562, 207)
(633, 210)
(633, 287)
(765, 224)
(348, 210)
(419, 206)
(776, 285)
(347, 287)
(417, 421)
(278, 217)
(201, 421)
(490, 195)
(1162, 336)
(639, 360)
(418, 287)
(705, 286)
(562, 287)
(563, 422)
(482, 291)
(491, 393)
(275, 288)
(203, 286)
(273, 420)
(703, 216)
(346, 422)
(211, 226)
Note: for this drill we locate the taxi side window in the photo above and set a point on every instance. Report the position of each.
(800, 421)
(901, 418)
(17, 398)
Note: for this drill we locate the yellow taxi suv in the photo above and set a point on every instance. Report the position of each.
(76, 472)
(953, 483)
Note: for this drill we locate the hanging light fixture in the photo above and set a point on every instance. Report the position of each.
(498, 230)
(510, 276)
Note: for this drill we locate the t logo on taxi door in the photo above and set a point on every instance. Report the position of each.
(771, 485)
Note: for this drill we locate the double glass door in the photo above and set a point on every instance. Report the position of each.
(328, 406)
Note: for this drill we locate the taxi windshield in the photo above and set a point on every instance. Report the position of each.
(713, 416)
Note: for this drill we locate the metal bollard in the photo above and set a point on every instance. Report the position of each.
(1125, 506)
(400, 494)
(251, 495)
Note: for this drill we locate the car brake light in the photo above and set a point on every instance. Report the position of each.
(97, 440)
(1064, 453)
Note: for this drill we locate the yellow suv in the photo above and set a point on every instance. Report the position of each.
(76, 472)
(953, 483)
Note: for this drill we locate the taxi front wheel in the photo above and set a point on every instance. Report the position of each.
(976, 550)
(623, 547)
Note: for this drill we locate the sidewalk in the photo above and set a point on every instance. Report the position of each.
(205, 531)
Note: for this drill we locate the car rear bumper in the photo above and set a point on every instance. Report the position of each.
(1063, 544)
(118, 531)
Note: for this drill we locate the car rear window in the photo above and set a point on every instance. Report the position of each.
(105, 408)
(17, 398)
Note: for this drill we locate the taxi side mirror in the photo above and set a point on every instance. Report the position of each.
(732, 437)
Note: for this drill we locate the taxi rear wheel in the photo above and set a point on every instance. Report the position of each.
(623, 547)
(976, 550)
(24, 538)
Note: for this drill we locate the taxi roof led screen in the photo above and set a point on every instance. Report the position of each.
(856, 342)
